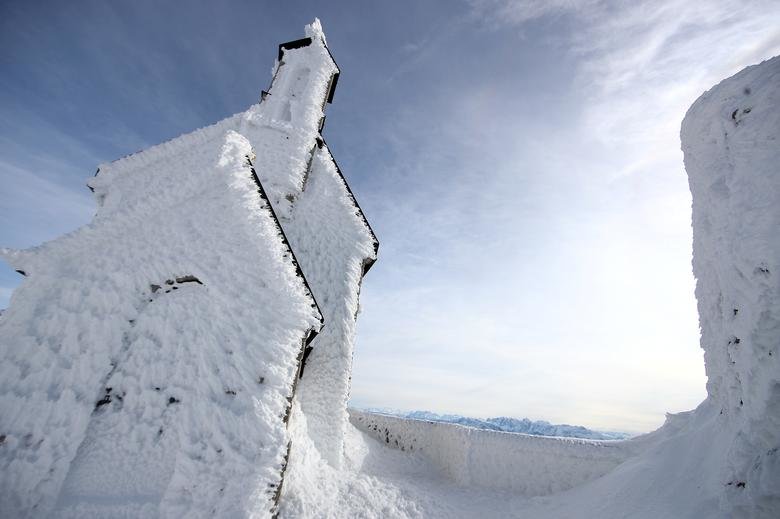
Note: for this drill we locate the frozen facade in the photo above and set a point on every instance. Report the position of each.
(148, 362)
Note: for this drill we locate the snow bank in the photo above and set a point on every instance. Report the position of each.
(364, 486)
(731, 140)
(526, 464)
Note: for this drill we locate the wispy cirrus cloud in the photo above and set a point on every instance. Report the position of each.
(641, 64)
(497, 13)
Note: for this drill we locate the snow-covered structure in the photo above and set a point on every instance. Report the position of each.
(148, 361)
(731, 140)
(190, 350)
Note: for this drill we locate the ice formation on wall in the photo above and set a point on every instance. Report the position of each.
(149, 359)
(731, 140)
(336, 249)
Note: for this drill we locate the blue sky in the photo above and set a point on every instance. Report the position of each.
(519, 162)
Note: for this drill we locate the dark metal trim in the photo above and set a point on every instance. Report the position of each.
(298, 270)
(368, 262)
(305, 42)
(294, 44)
(335, 79)
(310, 334)
(333, 82)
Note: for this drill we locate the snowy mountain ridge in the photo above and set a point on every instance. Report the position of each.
(508, 424)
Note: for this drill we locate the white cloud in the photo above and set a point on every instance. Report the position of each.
(645, 63)
(518, 12)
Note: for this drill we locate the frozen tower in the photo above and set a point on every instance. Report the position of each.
(730, 137)
(149, 360)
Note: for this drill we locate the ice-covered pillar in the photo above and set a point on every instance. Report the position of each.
(336, 247)
(731, 140)
(320, 216)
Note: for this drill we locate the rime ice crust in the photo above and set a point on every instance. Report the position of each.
(149, 359)
(731, 140)
(284, 128)
(333, 245)
(524, 464)
(133, 353)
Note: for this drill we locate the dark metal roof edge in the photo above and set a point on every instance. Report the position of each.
(305, 42)
(294, 44)
(335, 80)
(298, 270)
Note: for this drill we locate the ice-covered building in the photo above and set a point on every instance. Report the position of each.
(148, 361)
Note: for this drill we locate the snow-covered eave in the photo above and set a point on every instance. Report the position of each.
(298, 271)
(369, 261)
(309, 336)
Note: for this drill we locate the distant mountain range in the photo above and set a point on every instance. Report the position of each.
(505, 424)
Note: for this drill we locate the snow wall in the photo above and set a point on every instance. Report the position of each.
(526, 464)
(731, 141)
